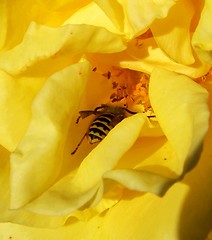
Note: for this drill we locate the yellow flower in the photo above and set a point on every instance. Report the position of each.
(60, 57)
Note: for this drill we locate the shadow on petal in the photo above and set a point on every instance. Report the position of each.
(196, 215)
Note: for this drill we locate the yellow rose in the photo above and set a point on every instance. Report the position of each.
(60, 57)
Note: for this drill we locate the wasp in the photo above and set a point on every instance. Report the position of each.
(107, 117)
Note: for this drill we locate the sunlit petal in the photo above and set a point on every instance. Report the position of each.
(16, 98)
(174, 97)
(73, 192)
(51, 13)
(58, 57)
(173, 32)
(3, 23)
(92, 14)
(202, 39)
(134, 17)
(147, 55)
(47, 131)
(68, 38)
(140, 180)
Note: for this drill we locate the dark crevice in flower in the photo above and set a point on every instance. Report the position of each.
(140, 38)
(206, 78)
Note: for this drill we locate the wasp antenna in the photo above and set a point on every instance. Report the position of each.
(72, 153)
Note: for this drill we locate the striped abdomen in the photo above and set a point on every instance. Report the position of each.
(101, 126)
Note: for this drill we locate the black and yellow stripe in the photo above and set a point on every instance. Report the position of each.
(100, 127)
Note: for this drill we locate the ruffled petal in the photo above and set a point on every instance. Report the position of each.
(134, 17)
(185, 211)
(181, 107)
(20, 216)
(92, 14)
(202, 38)
(50, 13)
(145, 55)
(17, 94)
(159, 162)
(140, 180)
(3, 23)
(74, 191)
(173, 32)
(68, 38)
(39, 155)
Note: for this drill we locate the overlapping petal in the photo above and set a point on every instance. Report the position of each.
(92, 14)
(126, 158)
(174, 97)
(3, 23)
(50, 13)
(185, 211)
(134, 17)
(145, 55)
(17, 94)
(202, 39)
(39, 156)
(20, 216)
(74, 191)
(67, 38)
(173, 32)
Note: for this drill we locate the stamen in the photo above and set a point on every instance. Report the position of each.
(130, 87)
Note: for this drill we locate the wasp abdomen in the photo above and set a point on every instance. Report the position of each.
(100, 127)
(107, 117)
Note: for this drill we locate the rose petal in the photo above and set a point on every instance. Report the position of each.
(202, 38)
(144, 56)
(149, 56)
(134, 17)
(185, 211)
(181, 107)
(52, 13)
(3, 23)
(114, 11)
(68, 38)
(92, 14)
(139, 180)
(173, 32)
(152, 155)
(16, 98)
(19, 216)
(51, 112)
(73, 192)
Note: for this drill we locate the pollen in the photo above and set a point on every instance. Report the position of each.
(129, 87)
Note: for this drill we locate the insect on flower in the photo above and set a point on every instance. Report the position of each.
(107, 117)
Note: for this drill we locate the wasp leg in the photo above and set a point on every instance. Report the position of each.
(77, 121)
(84, 114)
(127, 110)
(72, 153)
(100, 107)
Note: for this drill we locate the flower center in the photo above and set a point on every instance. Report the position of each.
(128, 87)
